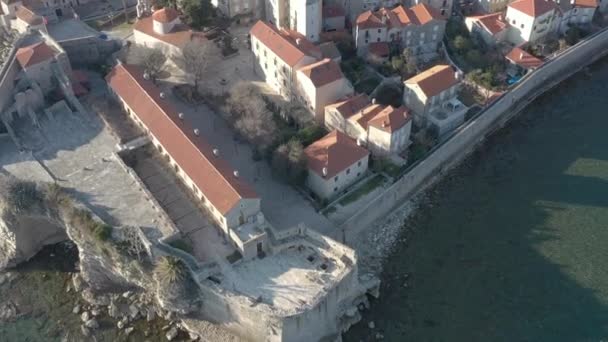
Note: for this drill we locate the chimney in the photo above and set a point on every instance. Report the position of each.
(236, 173)
(374, 100)
(324, 171)
(162, 95)
(196, 132)
(521, 55)
(216, 152)
(359, 142)
(180, 116)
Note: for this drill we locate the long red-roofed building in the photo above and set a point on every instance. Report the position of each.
(230, 199)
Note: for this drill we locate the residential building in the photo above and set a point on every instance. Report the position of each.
(321, 83)
(520, 62)
(302, 16)
(531, 20)
(491, 28)
(330, 50)
(230, 201)
(36, 61)
(26, 19)
(420, 28)
(383, 129)
(165, 31)
(334, 18)
(334, 162)
(279, 53)
(232, 8)
(432, 96)
(576, 13)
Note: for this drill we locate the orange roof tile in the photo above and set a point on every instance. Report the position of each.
(493, 23)
(350, 106)
(323, 72)
(165, 15)
(334, 152)
(369, 20)
(425, 13)
(523, 59)
(533, 8)
(179, 36)
(380, 49)
(211, 174)
(434, 80)
(288, 45)
(586, 3)
(28, 16)
(34, 54)
(390, 119)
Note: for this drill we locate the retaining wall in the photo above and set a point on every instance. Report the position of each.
(466, 138)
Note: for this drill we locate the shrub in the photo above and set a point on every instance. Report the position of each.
(21, 195)
(102, 231)
(310, 134)
(170, 270)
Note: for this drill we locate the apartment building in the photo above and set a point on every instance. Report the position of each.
(432, 97)
(384, 130)
(531, 20)
(302, 16)
(334, 162)
(491, 28)
(232, 8)
(321, 83)
(420, 28)
(279, 53)
(230, 201)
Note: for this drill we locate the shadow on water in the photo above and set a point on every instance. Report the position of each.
(510, 246)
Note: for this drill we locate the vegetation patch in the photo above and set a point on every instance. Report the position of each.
(363, 190)
(21, 196)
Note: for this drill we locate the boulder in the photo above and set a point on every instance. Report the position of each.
(129, 330)
(171, 334)
(76, 309)
(85, 316)
(92, 324)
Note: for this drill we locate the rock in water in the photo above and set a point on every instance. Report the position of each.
(371, 325)
(85, 316)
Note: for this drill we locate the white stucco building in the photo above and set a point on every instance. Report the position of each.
(492, 28)
(232, 8)
(303, 16)
(531, 20)
(384, 130)
(433, 97)
(334, 162)
(321, 83)
(164, 30)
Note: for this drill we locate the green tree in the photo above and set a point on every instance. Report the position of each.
(151, 60)
(170, 270)
(411, 63)
(197, 12)
(398, 64)
(462, 43)
(573, 35)
(474, 58)
(289, 163)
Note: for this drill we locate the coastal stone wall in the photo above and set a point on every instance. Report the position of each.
(465, 139)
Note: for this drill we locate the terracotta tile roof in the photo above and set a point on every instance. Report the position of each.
(426, 13)
(289, 46)
(380, 49)
(586, 3)
(28, 16)
(165, 15)
(34, 54)
(350, 106)
(523, 59)
(369, 20)
(533, 8)
(211, 174)
(398, 17)
(332, 11)
(434, 80)
(391, 119)
(493, 23)
(322, 72)
(334, 152)
(179, 36)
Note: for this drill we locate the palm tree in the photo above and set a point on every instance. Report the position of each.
(170, 270)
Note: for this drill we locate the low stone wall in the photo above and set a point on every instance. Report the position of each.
(465, 139)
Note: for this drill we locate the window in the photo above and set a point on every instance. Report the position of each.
(379, 30)
(513, 22)
(366, 41)
(378, 39)
(434, 36)
(335, 189)
(275, 61)
(347, 171)
(436, 27)
(359, 163)
(336, 179)
(358, 174)
(522, 26)
(264, 53)
(265, 66)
